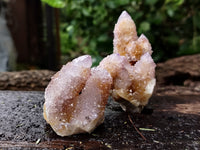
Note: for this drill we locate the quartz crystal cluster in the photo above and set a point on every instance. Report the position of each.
(76, 96)
(131, 66)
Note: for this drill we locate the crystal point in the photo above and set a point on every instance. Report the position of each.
(124, 15)
(124, 32)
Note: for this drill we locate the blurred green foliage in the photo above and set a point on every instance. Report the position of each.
(172, 26)
(55, 3)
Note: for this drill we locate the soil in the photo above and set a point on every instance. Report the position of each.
(171, 121)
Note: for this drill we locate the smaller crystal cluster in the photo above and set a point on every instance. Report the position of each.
(76, 97)
(131, 66)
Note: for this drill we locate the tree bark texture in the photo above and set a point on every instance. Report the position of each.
(35, 80)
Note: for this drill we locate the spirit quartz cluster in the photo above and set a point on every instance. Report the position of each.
(76, 96)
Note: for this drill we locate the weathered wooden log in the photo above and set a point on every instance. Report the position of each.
(184, 71)
(25, 80)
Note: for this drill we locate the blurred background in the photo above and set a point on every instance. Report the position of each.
(45, 34)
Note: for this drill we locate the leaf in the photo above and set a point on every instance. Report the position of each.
(38, 141)
(158, 18)
(151, 2)
(111, 4)
(96, 60)
(122, 2)
(86, 12)
(144, 26)
(70, 29)
(55, 3)
(180, 2)
(174, 2)
(170, 12)
(146, 129)
(103, 38)
(156, 141)
(190, 47)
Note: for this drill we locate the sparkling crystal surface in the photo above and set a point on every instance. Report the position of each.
(134, 74)
(76, 97)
